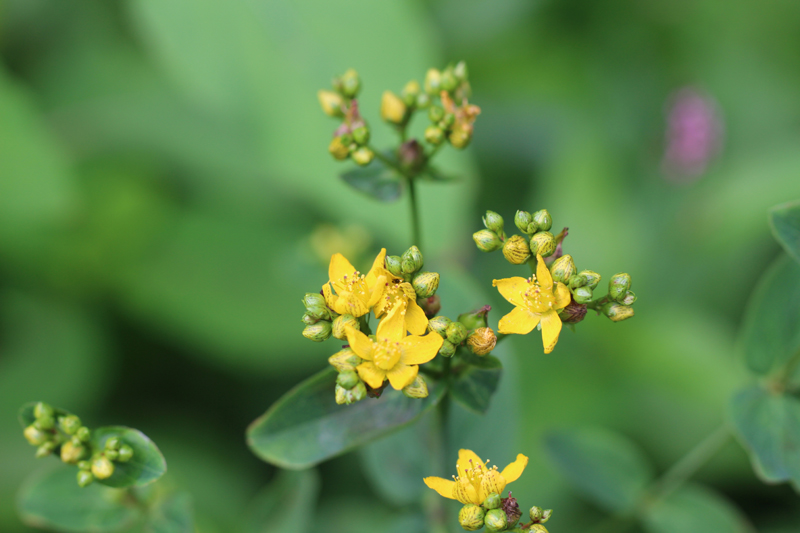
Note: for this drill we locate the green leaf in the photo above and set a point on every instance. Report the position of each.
(175, 514)
(53, 500)
(146, 465)
(475, 386)
(286, 505)
(769, 426)
(606, 467)
(434, 174)
(306, 426)
(694, 509)
(785, 222)
(771, 332)
(376, 180)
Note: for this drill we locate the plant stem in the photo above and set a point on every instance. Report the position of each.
(415, 228)
(441, 447)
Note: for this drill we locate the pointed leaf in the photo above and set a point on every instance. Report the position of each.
(475, 386)
(785, 222)
(146, 465)
(306, 426)
(376, 180)
(173, 515)
(695, 509)
(286, 505)
(434, 174)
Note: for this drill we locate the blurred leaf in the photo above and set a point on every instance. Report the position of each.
(287, 505)
(53, 500)
(146, 465)
(785, 221)
(770, 335)
(604, 466)
(694, 509)
(306, 426)
(175, 514)
(475, 386)
(434, 174)
(769, 426)
(376, 180)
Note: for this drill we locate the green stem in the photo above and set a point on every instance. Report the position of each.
(415, 227)
(441, 448)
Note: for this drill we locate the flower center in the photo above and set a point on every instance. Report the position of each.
(475, 474)
(354, 284)
(396, 292)
(538, 299)
(386, 354)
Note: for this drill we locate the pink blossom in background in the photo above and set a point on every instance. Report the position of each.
(693, 136)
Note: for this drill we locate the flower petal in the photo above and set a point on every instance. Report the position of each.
(514, 470)
(543, 274)
(443, 486)
(340, 267)
(563, 297)
(519, 320)
(467, 459)
(377, 267)
(551, 327)
(512, 289)
(371, 374)
(402, 375)
(378, 289)
(418, 349)
(330, 298)
(416, 321)
(392, 326)
(360, 343)
(349, 303)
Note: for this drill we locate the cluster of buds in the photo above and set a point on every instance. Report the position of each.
(452, 118)
(57, 432)
(469, 329)
(349, 387)
(518, 249)
(581, 286)
(501, 514)
(318, 318)
(351, 138)
(409, 268)
(616, 305)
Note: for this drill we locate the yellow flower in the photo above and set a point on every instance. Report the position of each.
(475, 479)
(392, 354)
(354, 291)
(537, 301)
(395, 293)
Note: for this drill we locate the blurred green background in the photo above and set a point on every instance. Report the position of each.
(166, 198)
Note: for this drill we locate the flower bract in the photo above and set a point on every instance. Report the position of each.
(354, 294)
(475, 479)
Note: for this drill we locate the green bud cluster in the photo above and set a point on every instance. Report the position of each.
(57, 431)
(321, 322)
(351, 138)
(448, 121)
(500, 514)
(491, 238)
(453, 333)
(619, 299)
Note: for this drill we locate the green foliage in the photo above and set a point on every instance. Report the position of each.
(694, 509)
(476, 385)
(306, 426)
(376, 180)
(785, 221)
(146, 465)
(175, 514)
(287, 505)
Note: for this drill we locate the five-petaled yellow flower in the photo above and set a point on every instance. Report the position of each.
(355, 293)
(537, 301)
(392, 354)
(475, 479)
(397, 293)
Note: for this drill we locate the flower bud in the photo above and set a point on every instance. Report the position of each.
(350, 83)
(361, 135)
(537, 528)
(113, 443)
(448, 349)
(363, 156)
(433, 82)
(83, 434)
(85, 478)
(439, 325)
(35, 436)
(338, 149)
(460, 71)
(618, 285)
(430, 305)
(125, 453)
(344, 360)
(417, 389)
(45, 422)
(312, 299)
(320, 312)
(563, 268)
(423, 101)
(482, 341)
(436, 113)
(572, 313)
(523, 220)
(434, 135)
(582, 295)
(43, 410)
(393, 109)
(475, 319)
(308, 319)
(592, 278)
(318, 332)
(70, 453)
(492, 501)
(111, 455)
(629, 298)
(456, 332)
(425, 284)
(460, 138)
(348, 396)
(449, 81)
(331, 103)
(347, 379)
(543, 243)
(411, 261)
(412, 90)
(495, 520)
(471, 517)
(84, 465)
(546, 516)
(45, 449)
(341, 323)
(516, 250)
(487, 241)
(617, 312)
(543, 220)
(578, 280)
(102, 467)
(493, 222)
(536, 513)
(70, 424)
(393, 265)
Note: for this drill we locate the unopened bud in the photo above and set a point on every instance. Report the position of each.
(487, 241)
(350, 83)
(417, 389)
(456, 332)
(45, 449)
(617, 312)
(495, 520)
(411, 260)
(430, 305)
(320, 312)
(43, 410)
(433, 82)
(538, 528)
(425, 284)
(460, 71)
(85, 478)
(436, 113)
(563, 268)
(394, 265)
(449, 80)
(546, 516)
(482, 341)
(70, 424)
(475, 319)
(308, 319)
(70, 453)
(578, 280)
(543, 220)
(45, 422)
(412, 89)
(523, 220)
(341, 323)
(516, 250)
(629, 298)
(361, 135)
(448, 349)
(618, 285)
(312, 299)
(423, 101)
(363, 156)
(84, 465)
(344, 360)
(347, 379)
(582, 295)
(113, 443)
(434, 135)
(572, 313)
(125, 453)
(331, 103)
(35, 436)
(492, 501)
(393, 109)
(543, 243)
(102, 467)
(111, 455)
(460, 138)
(338, 149)
(439, 325)
(83, 434)
(471, 517)
(592, 278)
(318, 332)
(536, 513)
(348, 396)
(493, 222)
